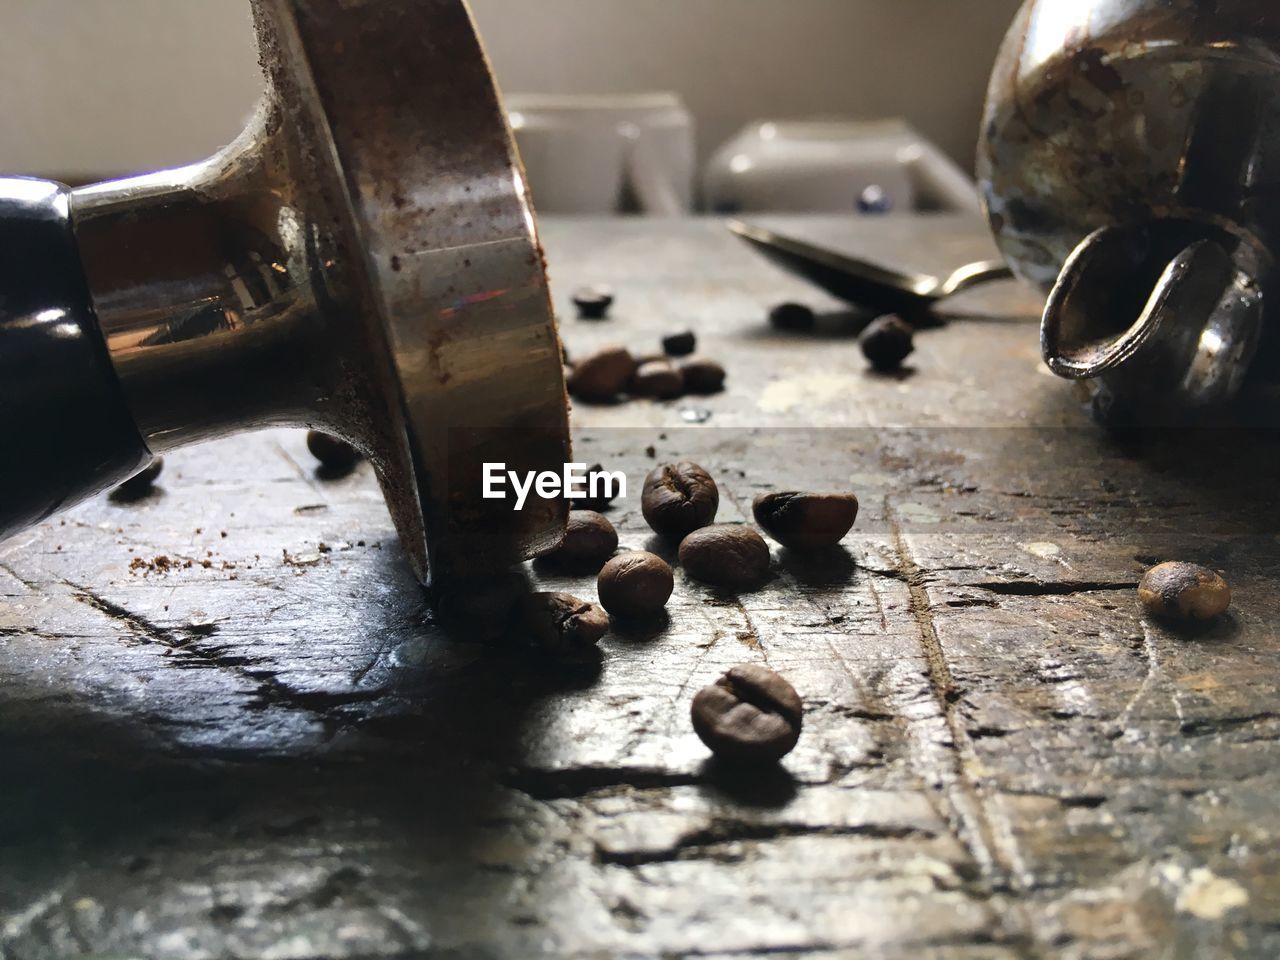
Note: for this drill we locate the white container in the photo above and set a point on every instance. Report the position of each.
(834, 166)
(589, 154)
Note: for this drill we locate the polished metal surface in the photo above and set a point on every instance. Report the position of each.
(205, 284)
(859, 282)
(1101, 282)
(1137, 114)
(364, 260)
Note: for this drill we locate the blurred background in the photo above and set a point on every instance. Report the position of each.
(172, 80)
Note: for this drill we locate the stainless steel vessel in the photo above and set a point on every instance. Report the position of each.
(1130, 165)
(362, 260)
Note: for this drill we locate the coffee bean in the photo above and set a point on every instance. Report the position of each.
(599, 492)
(141, 482)
(750, 715)
(332, 452)
(1184, 592)
(702, 376)
(593, 303)
(887, 342)
(680, 344)
(806, 521)
(562, 624)
(635, 585)
(657, 379)
(726, 555)
(602, 375)
(678, 498)
(792, 316)
(589, 541)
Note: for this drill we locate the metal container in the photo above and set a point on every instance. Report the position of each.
(1130, 166)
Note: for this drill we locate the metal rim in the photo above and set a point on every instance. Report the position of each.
(405, 115)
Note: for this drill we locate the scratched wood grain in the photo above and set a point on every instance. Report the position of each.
(262, 745)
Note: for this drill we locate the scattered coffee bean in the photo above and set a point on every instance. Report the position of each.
(680, 344)
(658, 379)
(726, 555)
(602, 375)
(593, 303)
(887, 342)
(1184, 592)
(678, 498)
(750, 715)
(793, 316)
(702, 376)
(806, 521)
(651, 451)
(562, 624)
(332, 452)
(599, 494)
(635, 585)
(141, 482)
(589, 541)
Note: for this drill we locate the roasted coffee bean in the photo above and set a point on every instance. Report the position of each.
(658, 379)
(1184, 592)
(141, 482)
(332, 452)
(726, 555)
(702, 376)
(593, 303)
(806, 521)
(680, 344)
(793, 316)
(562, 624)
(635, 585)
(678, 498)
(589, 541)
(600, 493)
(602, 375)
(750, 715)
(887, 342)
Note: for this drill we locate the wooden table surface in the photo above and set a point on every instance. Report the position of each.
(261, 746)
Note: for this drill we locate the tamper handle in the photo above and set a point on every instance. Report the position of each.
(65, 431)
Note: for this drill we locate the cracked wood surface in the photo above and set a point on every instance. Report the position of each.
(271, 751)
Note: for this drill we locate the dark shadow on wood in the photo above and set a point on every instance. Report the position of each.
(767, 786)
(832, 568)
(642, 631)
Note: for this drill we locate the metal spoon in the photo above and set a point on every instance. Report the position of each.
(864, 284)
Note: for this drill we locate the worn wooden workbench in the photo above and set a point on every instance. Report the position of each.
(262, 747)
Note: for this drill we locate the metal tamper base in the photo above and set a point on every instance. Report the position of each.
(363, 260)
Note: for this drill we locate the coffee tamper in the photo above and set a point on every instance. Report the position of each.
(362, 260)
(1130, 166)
